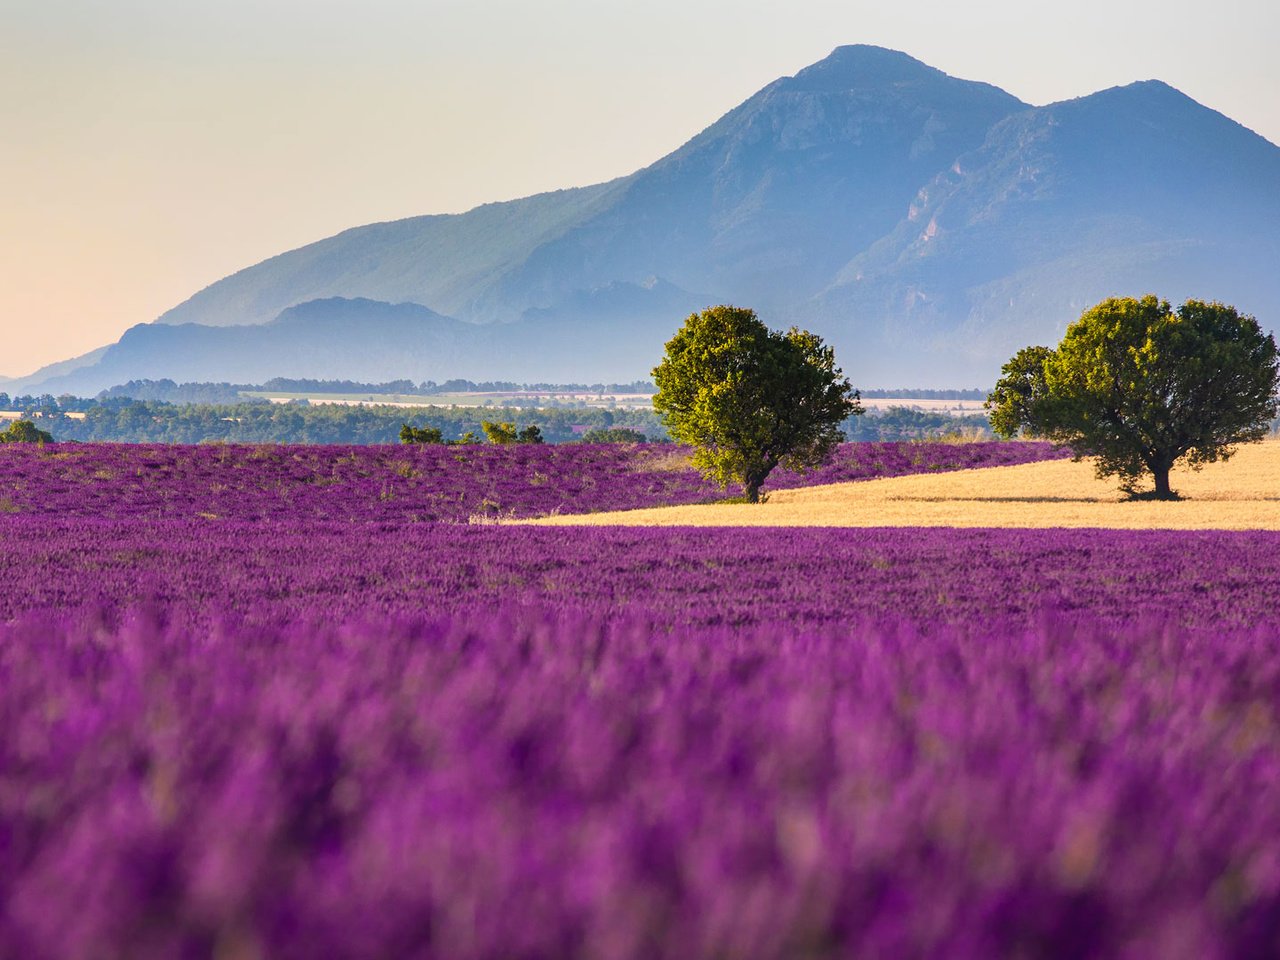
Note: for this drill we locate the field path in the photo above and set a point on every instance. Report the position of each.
(1241, 494)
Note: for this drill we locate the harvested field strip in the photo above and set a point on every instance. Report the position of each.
(1242, 494)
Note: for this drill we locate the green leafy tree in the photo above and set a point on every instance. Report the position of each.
(24, 431)
(410, 434)
(1020, 386)
(1140, 387)
(505, 433)
(750, 399)
(499, 433)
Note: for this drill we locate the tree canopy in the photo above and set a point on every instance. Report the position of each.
(412, 434)
(506, 433)
(1140, 386)
(24, 431)
(750, 399)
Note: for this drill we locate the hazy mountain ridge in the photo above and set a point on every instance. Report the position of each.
(445, 258)
(928, 226)
(1064, 205)
(359, 339)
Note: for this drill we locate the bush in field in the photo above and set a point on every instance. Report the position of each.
(410, 434)
(499, 433)
(750, 398)
(1139, 387)
(24, 431)
(506, 433)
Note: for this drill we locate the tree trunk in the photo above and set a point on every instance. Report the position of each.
(752, 490)
(1162, 492)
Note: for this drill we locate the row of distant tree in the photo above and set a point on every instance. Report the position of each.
(230, 393)
(138, 421)
(126, 420)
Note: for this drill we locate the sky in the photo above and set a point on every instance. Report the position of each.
(151, 147)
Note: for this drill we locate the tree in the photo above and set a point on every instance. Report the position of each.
(505, 433)
(1009, 405)
(410, 434)
(24, 431)
(1139, 387)
(499, 433)
(614, 435)
(750, 399)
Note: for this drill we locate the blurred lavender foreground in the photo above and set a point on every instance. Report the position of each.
(361, 737)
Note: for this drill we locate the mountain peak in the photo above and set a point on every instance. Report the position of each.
(862, 65)
(1153, 105)
(1144, 92)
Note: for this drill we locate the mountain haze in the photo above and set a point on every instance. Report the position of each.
(927, 226)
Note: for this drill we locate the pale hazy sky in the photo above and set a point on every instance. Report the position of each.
(150, 147)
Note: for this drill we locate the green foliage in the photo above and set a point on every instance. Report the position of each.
(410, 434)
(750, 399)
(1140, 387)
(614, 435)
(499, 433)
(1020, 386)
(506, 432)
(24, 431)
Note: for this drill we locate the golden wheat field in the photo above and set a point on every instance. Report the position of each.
(1240, 494)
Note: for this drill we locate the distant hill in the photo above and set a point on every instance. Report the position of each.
(928, 226)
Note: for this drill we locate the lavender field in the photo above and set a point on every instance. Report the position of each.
(244, 713)
(415, 483)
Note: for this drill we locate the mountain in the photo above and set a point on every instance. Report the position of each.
(927, 226)
(1131, 190)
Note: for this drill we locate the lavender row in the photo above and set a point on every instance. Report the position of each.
(411, 483)
(513, 783)
(274, 571)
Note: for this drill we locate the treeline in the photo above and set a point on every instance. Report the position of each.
(124, 418)
(149, 421)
